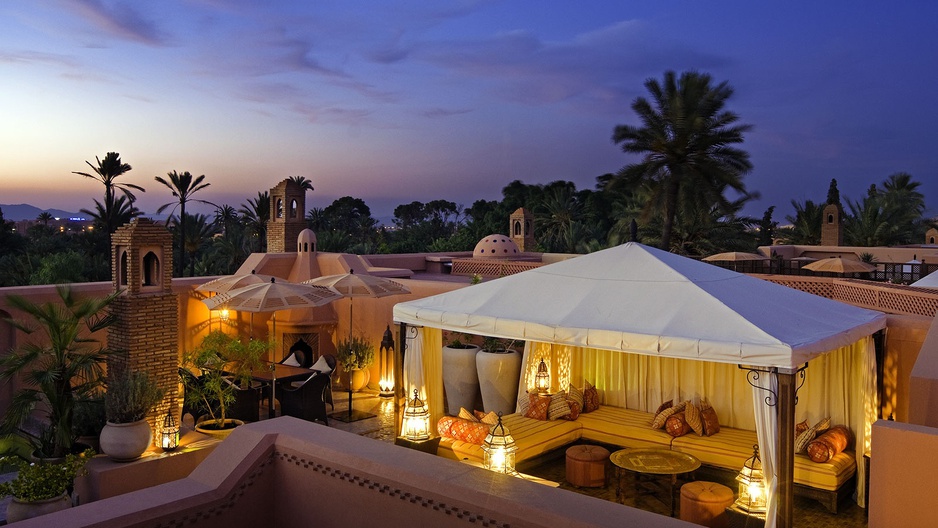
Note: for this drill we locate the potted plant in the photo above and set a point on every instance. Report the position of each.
(40, 487)
(499, 370)
(130, 397)
(356, 355)
(60, 367)
(225, 364)
(90, 418)
(460, 377)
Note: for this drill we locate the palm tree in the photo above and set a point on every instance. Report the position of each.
(107, 172)
(686, 140)
(226, 216)
(254, 216)
(555, 218)
(183, 186)
(59, 367)
(198, 233)
(806, 224)
(44, 218)
(305, 185)
(113, 213)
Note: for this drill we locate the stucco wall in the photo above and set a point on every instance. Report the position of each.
(903, 475)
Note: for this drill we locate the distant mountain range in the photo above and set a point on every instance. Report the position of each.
(17, 212)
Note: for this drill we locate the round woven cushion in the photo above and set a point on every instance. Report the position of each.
(587, 453)
(707, 492)
(705, 503)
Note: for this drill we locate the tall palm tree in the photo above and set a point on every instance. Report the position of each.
(254, 216)
(183, 186)
(113, 213)
(555, 218)
(305, 185)
(806, 224)
(197, 235)
(107, 171)
(686, 142)
(226, 216)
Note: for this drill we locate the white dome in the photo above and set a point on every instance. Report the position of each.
(496, 246)
(306, 241)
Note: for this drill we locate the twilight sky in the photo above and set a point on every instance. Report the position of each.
(395, 101)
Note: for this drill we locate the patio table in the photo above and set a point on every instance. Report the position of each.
(653, 462)
(271, 373)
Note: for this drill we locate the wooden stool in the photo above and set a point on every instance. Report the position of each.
(705, 503)
(586, 466)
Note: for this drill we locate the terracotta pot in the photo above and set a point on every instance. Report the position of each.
(124, 442)
(211, 428)
(499, 374)
(358, 379)
(460, 378)
(19, 510)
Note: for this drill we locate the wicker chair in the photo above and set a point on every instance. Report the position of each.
(246, 405)
(306, 401)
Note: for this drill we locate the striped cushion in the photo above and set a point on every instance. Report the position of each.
(558, 406)
(692, 417)
(575, 394)
(622, 427)
(662, 417)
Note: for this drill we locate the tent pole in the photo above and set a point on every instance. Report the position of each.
(399, 376)
(786, 447)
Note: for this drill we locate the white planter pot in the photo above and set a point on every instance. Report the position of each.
(460, 378)
(499, 374)
(124, 442)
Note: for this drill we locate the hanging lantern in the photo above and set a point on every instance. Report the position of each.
(224, 315)
(752, 497)
(416, 426)
(499, 449)
(542, 378)
(169, 433)
(386, 383)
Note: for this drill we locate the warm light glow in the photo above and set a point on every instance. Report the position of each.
(387, 364)
(752, 497)
(499, 449)
(386, 386)
(169, 434)
(542, 379)
(224, 314)
(416, 424)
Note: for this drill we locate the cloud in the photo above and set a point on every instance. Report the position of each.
(332, 114)
(37, 57)
(121, 20)
(444, 112)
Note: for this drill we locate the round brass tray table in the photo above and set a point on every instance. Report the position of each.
(653, 462)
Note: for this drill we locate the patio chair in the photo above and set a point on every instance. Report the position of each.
(301, 352)
(306, 401)
(246, 404)
(331, 361)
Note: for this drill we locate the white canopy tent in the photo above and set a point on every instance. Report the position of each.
(928, 281)
(641, 300)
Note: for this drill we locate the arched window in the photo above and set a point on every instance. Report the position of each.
(279, 207)
(527, 227)
(122, 272)
(830, 219)
(517, 228)
(931, 240)
(151, 269)
(293, 208)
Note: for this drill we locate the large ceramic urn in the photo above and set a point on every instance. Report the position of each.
(499, 374)
(460, 378)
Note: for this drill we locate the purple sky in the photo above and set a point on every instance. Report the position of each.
(399, 101)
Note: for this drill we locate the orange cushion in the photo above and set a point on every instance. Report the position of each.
(537, 406)
(827, 445)
(676, 425)
(590, 398)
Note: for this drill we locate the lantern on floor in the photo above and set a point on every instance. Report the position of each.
(542, 378)
(752, 497)
(416, 426)
(169, 433)
(499, 449)
(386, 383)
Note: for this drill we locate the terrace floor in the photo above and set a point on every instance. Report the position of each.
(382, 428)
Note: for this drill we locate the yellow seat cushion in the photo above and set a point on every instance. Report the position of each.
(622, 427)
(536, 437)
(730, 448)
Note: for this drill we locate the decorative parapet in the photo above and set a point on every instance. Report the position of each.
(885, 297)
(491, 268)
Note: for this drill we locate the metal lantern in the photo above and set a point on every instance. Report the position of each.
(169, 433)
(752, 497)
(224, 315)
(386, 383)
(416, 426)
(499, 449)
(542, 379)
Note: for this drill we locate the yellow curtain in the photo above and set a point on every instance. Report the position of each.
(433, 372)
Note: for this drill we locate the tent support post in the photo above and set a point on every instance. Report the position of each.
(399, 375)
(786, 447)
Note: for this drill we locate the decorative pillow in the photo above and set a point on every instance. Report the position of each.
(558, 406)
(574, 410)
(827, 445)
(466, 415)
(469, 432)
(444, 426)
(801, 427)
(524, 404)
(537, 406)
(491, 418)
(692, 417)
(322, 365)
(711, 425)
(590, 398)
(663, 416)
(291, 361)
(664, 406)
(823, 425)
(801, 443)
(676, 425)
(575, 394)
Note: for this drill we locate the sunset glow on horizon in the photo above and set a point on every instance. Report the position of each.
(399, 101)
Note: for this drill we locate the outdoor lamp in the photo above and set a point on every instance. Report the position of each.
(751, 485)
(542, 379)
(386, 383)
(499, 449)
(169, 434)
(416, 426)
(224, 315)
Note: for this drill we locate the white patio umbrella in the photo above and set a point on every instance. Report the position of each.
(233, 282)
(352, 285)
(273, 296)
(839, 265)
(734, 256)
